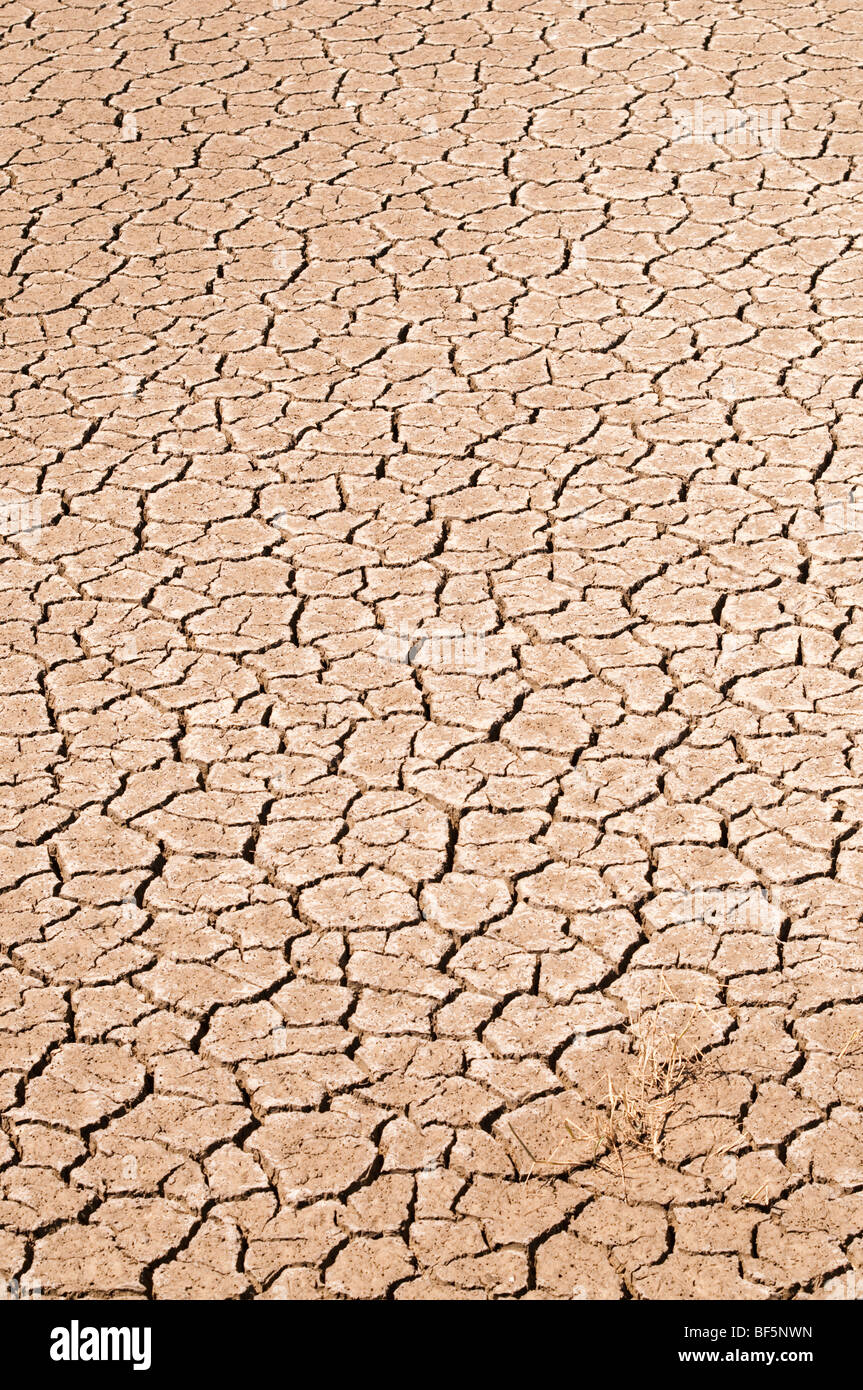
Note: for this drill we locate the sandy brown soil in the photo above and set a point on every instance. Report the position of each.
(432, 809)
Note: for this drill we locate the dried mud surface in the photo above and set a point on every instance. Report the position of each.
(434, 588)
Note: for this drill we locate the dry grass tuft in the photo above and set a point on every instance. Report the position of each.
(634, 1112)
(632, 1107)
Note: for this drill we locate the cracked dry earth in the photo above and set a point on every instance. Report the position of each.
(433, 583)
